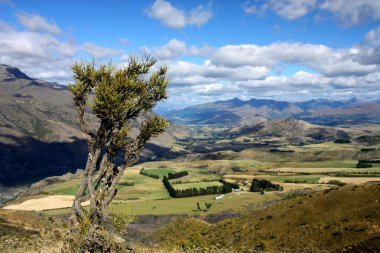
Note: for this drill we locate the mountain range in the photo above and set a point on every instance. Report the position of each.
(253, 111)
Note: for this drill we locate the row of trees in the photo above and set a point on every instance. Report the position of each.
(143, 172)
(176, 175)
(264, 185)
(225, 188)
(366, 163)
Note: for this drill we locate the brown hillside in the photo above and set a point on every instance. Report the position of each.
(343, 219)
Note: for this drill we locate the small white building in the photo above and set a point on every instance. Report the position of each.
(219, 197)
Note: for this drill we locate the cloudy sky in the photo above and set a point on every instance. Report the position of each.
(216, 50)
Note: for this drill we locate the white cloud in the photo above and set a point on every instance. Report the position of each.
(124, 41)
(44, 55)
(250, 8)
(174, 17)
(199, 16)
(288, 9)
(352, 12)
(172, 49)
(349, 12)
(176, 48)
(292, 9)
(98, 52)
(35, 22)
(328, 61)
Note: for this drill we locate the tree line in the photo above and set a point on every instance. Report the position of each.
(176, 175)
(264, 185)
(143, 172)
(190, 192)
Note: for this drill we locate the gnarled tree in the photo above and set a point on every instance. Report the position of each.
(115, 96)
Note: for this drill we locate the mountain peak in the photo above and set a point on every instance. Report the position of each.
(7, 72)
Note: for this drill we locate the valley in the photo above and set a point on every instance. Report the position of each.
(311, 163)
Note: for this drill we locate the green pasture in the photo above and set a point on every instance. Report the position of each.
(234, 202)
(68, 187)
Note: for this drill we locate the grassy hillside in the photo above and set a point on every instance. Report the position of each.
(340, 219)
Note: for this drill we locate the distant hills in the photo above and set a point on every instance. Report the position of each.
(239, 112)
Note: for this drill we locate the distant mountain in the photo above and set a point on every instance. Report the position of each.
(239, 112)
(39, 133)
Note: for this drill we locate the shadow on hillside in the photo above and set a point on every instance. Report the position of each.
(29, 160)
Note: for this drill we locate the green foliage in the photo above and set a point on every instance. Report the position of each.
(363, 165)
(190, 192)
(121, 219)
(176, 175)
(143, 172)
(264, 185)
(341, 141)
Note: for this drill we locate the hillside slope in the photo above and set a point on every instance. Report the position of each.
(341, 219)
(291, 130)
(39, 133)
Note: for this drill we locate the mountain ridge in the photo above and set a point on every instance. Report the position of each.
(240, 112)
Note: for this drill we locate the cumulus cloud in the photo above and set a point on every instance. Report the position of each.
(250, 70)
(98, 52)
(352, 12)
(174, 17)
(348, 12)
(288, 9)
(44, 55)
(292, 9)
(328, 61)
(176, 48)
(35, 22)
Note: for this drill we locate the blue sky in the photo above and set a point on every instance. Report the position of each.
(215, 50)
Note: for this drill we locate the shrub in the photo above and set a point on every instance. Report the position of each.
(264, 185)
(176, 175)
(340, 141)
(336, 182)
(363, 165)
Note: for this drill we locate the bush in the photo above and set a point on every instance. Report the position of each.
(363, 165)
(336, 182)
(264, 185)
(340, 141)
(176, 175)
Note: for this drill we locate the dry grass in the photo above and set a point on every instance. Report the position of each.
(45, 203)
(328, 221)
(22, 231)
(350, 180)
